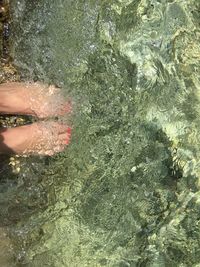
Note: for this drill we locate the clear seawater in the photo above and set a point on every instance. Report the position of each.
(125, 193)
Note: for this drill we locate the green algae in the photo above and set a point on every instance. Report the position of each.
(126, 191)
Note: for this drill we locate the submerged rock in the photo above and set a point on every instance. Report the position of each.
(126, 192)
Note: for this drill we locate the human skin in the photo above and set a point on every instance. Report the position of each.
(35, 99)
(42, 101)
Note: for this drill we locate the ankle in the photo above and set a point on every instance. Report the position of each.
(14, 98)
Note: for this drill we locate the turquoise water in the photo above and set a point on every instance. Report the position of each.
(126, 191)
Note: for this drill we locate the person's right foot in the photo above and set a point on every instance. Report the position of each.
(34, 99)
(43, 138)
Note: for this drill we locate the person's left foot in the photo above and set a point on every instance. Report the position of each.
(42, 138)
(34, 99)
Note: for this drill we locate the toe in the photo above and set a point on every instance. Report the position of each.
(64, 138)
(49, 153)
(63, 128)
(59, 148)
(67, 107)
(56, 127)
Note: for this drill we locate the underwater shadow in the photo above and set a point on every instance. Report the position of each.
(4, 147)
(8, 182)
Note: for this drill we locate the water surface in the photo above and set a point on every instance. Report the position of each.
(126, 191)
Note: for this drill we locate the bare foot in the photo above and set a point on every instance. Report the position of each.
(35, 99)
(42, 138)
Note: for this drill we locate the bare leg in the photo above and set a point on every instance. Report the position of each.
(34, 99)
(43, 138)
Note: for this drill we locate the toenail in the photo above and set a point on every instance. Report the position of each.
(69, 130)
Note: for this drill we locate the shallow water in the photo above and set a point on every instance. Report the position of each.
(126, 191)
